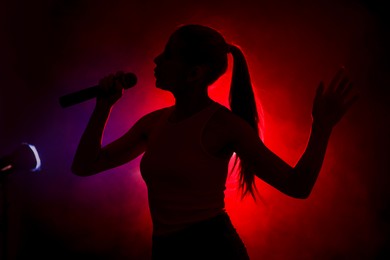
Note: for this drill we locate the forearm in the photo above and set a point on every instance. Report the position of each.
(306, 171)
(89, 146)
(330, 105)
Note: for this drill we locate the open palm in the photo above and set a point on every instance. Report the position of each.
(331, 103)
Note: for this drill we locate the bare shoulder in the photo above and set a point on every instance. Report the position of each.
(149, 121)
(225, 125)
(231, 127)
(154, 115)
(226, 119)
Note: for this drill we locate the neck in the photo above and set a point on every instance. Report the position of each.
(189, 103)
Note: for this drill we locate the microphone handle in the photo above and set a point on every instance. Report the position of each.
(128, 80)
(79, 96)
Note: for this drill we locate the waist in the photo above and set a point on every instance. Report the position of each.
(212, 224)
(175, 220)
(171, 211)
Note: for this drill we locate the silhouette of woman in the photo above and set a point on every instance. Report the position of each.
(187, 147)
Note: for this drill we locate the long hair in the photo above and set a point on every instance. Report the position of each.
(243, 103)
(202, 45)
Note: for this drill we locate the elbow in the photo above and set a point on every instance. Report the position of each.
(295, 193)
(81, 171)
(301, 194)
(300, 188)
(78, 171)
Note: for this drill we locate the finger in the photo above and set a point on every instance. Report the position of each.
(350, 102)
(320, 90)
(107, 83)
(106, 78)
(120, 78)
(103, 82)
(336, 79)
(341, 87)
(118, 85)
(346, 91)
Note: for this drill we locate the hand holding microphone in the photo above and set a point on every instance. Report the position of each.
(112, 87)
(109, 90)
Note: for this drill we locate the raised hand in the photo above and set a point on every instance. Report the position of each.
(331, 103)
(112, 89)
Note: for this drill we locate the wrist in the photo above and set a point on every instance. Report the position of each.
(321, 128)
(103, 110)
(103, 105)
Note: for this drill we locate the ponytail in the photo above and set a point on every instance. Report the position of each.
(243, 104)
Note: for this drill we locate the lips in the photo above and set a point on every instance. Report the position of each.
(156, 73)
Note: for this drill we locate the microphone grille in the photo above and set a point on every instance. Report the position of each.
(129, 80)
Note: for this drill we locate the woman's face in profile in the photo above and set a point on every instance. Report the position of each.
(171, 71)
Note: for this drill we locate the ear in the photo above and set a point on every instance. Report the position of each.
(197, 74)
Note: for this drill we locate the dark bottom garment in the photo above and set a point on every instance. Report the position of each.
(215, 238)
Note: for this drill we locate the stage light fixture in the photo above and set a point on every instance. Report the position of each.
(24, 157)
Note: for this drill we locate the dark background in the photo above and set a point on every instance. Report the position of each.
(51, 48)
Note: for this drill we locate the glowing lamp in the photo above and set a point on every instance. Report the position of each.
(24, 157)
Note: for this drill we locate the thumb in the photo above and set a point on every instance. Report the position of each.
(320, 90)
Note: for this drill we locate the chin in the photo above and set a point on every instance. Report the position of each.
(161, 86)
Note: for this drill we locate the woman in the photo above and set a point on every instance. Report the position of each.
(187, 147)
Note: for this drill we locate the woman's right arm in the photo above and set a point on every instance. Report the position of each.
(91, 157)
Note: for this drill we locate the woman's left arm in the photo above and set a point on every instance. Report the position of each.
(329, 106)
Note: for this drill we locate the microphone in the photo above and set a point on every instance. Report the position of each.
(128, 80)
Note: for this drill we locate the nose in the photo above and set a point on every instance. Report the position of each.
(157, 58)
